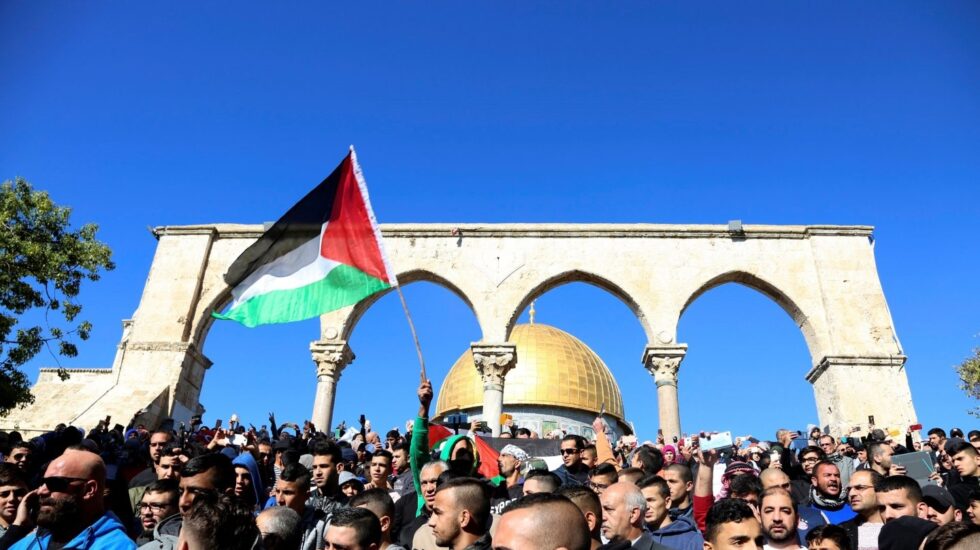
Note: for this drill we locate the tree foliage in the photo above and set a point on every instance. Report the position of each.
(969, 372)
(42, 265)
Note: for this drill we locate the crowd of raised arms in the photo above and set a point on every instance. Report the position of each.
(293, 488)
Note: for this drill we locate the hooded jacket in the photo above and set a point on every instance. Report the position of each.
(107, 533)
(165, 534)
(681, 534)
(447, 448)
(245, 459)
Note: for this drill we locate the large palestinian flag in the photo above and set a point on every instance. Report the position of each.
(325, 253)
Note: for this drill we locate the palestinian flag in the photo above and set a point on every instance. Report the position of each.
(325, 253)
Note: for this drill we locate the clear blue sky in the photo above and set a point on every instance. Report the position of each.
(140, 115)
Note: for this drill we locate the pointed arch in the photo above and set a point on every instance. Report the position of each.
(578, 276)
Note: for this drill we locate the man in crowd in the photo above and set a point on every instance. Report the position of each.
(681, 483)
(590, 456)
(461, 515)
(541, 481)
(403, 472)
(379, 471)
(379, 502)
(864, 528)
(325, 495)
(510, 462)
(159, 502)
(72, 509)
(429, 483)
(845, 465)
(354, 529)
(13, 488)
(248, 481)
(601, 477)
(205, 476)
(937, 439)
(279, 527)
(623, 512)
(543, 521)
(898, 496)
(588, 504)
(880, 459)
(779, 519)
(732, 525)
(966, 461)
(648, 459)
(572, 471)
(223, 522)
(293, 490)
(802, 476)
(940, 508)
(825, 494)
(20, 455)
(679, 534)
(160, 442)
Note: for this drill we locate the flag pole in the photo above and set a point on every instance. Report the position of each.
(415, 336)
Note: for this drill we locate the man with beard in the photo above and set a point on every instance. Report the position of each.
(160, 442)
(880, 456)
(510, 485)
(779, 519)
(461, 515)
(864, 529)
(899, 496)
(845, 465)
(72, 511)
(825, 494)
(159, 502)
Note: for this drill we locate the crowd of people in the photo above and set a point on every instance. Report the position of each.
(291, 487)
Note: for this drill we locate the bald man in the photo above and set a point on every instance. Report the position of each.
(623, 510)
(71, 509)
(542, 521)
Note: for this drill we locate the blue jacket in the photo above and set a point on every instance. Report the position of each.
(245, 459)
(681, 534)
(107, 533)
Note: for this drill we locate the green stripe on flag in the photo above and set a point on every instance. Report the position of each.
(343, 286)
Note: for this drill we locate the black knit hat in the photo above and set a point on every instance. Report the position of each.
(904, 533)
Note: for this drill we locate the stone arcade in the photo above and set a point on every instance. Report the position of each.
(824, 277)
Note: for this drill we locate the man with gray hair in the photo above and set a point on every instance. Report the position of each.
(279, 528)
(623, 509)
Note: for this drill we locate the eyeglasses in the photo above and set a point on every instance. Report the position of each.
(59, 484)
(811, 459)
(598, 486)
(153, 506)
(860, 487)
(566, 452)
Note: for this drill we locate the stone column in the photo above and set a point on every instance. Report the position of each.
(330, 360)
(493, 361)
(663, 362)
(850, 388)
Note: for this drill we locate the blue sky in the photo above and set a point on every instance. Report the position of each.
(140, 115)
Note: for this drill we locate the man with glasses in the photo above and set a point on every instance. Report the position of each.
(572, 471)
(72, 509)
(801, 482)
(601, 477)
(159, 504)
(864, 528)
(20, 455)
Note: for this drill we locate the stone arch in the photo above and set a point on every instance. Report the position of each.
(791, 306)
(578, 276)
(354, 313)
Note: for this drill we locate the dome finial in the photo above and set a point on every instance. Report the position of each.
(531, 313)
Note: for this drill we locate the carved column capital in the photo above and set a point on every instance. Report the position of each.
(331, 358)
(493, 362)
(663, 362)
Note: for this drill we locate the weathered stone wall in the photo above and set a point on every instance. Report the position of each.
(824, 277)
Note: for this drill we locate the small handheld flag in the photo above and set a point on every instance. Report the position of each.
(324, 254)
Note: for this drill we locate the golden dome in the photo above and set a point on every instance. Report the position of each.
(553, 368)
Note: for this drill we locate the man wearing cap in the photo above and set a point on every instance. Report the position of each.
(939, 506)
(510, 483)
